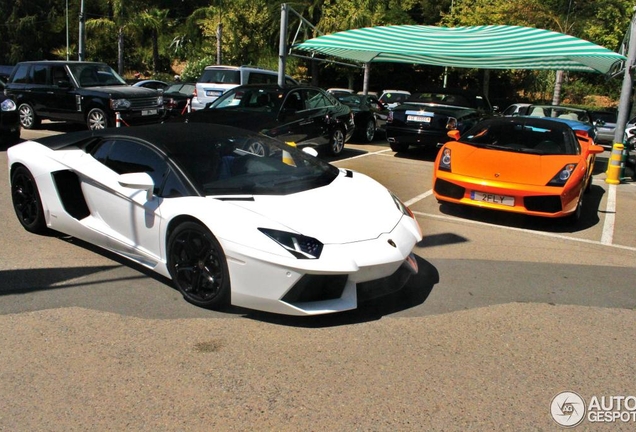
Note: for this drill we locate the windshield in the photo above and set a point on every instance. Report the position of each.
(251, 164)
(562, 112)
(93, 75)
(538, 137)
(250, 99)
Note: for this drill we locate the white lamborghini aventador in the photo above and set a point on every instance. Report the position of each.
(229, 216)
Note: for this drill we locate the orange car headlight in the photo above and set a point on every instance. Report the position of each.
(445, 160)
(564, 174)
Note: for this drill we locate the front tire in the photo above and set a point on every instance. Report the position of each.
(28, 118)
(96, 119)
(26, 201)
(198, 266)
(337, 142)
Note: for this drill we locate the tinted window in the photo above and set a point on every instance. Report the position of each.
(262, 78)
(220, 76)
(294, 101)
(125, 157)
(38, 74)
(21, 74)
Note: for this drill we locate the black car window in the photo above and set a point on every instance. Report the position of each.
(294, 101)
(38, 74)
(125, 157)
(21, 74)
(315, 99)
(262, 78)
(58, 73)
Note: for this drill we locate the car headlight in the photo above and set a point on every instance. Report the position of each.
(160, 100)
(298, 245)
(445, 160)
(8, 105)
(402, 207)
(563, 175)
(118, 104)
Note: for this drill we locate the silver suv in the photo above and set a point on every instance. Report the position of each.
(216, 80)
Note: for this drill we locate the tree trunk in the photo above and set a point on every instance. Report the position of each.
(556, 97)
(155, 52)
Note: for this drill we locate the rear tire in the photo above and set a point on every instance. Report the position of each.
(26, 201)
(337, 142)
(369, 131)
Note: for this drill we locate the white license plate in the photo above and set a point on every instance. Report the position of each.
(213, 93)
(492, 198)
(148, 112)
(421, 119)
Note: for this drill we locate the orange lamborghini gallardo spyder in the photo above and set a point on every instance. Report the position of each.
(534, 166)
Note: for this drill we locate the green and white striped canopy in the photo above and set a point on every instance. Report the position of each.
(484, 47)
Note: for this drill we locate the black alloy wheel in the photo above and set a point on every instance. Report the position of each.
(198, 266)
(26, 201)
(256, 147)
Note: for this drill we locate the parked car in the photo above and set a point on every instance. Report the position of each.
(176, 98)
(9, 118)
(5, 72)
(80, 92)
(516, 109)
(369, 114)
(337, 91)
(151, 84)
(392, 98)
(605, 122)
(576, 118)
(305, 115)
(216, 80)
(534, 166)
(279, 233)
(424, 118)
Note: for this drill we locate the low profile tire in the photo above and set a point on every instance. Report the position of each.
(28, 118)
(26, 201)
(198, 266)
(336, 142)
(96, 119)
(369, 131)
(399, 147)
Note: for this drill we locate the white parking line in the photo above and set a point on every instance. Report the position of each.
(610, 216)
(365, 154)
(418, 198)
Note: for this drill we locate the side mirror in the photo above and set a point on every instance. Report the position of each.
(596, 149)
(140, 181)
(454, 134)
(310, 151)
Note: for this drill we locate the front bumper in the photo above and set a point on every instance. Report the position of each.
(544, 201)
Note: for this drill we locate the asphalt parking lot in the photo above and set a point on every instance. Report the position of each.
(517, 299)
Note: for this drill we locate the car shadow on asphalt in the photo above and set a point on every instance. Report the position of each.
(589, 215)
(414, 293)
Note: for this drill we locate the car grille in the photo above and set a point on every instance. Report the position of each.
(316, 288)
(544, 204)
(143, 103)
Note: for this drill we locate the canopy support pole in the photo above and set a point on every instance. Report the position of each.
(282, 47)
(626, 90)
(365, 81)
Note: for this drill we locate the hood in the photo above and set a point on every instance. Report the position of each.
(505, 166)
(250, 120)
(351, 208)
(125, 91)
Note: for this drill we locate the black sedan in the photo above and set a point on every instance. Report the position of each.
(369, 113)
(9, 118)
(425, 118)
(176, 98)
(305, 115)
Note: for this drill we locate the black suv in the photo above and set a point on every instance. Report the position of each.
(79, 92)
